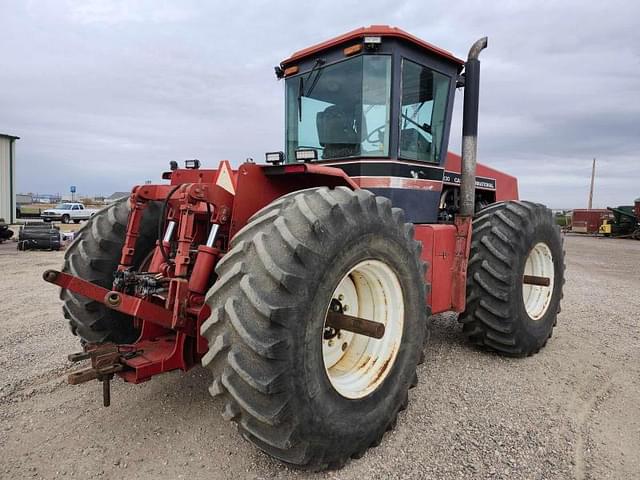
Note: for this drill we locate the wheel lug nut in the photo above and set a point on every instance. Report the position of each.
(340, 297)
(344, 346)
(345, 308)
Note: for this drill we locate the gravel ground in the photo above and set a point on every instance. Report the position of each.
(571, 411)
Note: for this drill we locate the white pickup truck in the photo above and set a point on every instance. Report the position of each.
(68, 212)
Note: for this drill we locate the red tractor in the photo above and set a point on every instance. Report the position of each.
(305, 285)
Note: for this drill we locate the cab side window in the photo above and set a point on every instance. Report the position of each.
(422, 112)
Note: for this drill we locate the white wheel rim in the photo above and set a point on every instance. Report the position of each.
(355, 364)
(537, 298)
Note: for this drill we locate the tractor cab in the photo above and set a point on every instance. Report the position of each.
(375, 92)
(376, 102)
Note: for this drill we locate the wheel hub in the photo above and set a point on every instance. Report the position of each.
(356, 364)
(539, 264)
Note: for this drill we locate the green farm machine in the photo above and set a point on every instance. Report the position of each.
(624, 221)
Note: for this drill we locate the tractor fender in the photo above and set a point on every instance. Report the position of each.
(259, 185)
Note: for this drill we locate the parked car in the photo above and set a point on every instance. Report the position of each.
(68, 212)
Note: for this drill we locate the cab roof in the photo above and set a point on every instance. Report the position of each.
(373, 30)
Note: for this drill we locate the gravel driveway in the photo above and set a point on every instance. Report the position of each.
(572, 411)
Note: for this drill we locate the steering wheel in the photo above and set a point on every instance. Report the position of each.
(378, 130)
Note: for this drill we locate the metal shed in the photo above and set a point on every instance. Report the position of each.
(8, 177)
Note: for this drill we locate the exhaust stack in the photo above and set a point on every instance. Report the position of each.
(470, 128)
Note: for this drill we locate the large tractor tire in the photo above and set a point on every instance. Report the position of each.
(300, 391)
(511, 240)
(94, 256)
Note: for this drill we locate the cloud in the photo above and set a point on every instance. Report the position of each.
(105, 94)
(125, 11)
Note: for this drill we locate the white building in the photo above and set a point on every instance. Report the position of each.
(8, 177)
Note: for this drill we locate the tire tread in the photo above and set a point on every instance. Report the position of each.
(250, 372)
(489, 319)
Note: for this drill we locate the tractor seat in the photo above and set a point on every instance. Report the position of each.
(336, 133)
(413, 145)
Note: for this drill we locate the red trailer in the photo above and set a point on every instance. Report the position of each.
(586, 220)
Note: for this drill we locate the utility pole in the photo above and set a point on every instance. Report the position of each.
(593, 176)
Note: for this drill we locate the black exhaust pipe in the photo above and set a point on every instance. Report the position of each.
(470, 128)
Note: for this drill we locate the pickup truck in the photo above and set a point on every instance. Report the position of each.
(68, 212)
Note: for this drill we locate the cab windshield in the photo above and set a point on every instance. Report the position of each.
(63, 206)
(340, 110)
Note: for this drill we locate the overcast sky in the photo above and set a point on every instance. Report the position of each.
(104, 94)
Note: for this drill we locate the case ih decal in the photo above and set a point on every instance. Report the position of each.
(453, 178)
